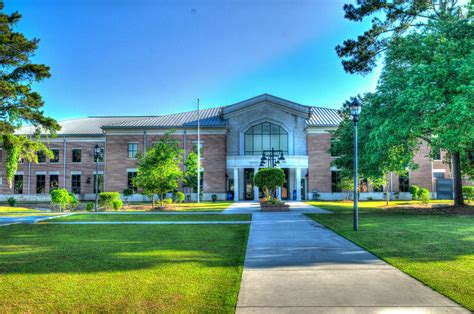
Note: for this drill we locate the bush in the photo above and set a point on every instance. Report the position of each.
(127, 193)
(179, 197)
(268, 179)
(214, 198)
(89, 206)
(468, 192)
(106, 199)
(414, 191)
(424, 195)
(63, 199)
(117, 204)
(168, 201)
(11, 201)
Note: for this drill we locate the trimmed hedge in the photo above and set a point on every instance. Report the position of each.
(468, 192)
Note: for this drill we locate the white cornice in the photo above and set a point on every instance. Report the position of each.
(319, 129)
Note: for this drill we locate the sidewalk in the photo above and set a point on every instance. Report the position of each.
(294, 264)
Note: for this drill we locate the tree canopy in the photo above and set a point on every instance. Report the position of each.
(20, 104)
(190, 173)
(389, 19)
(159, 169)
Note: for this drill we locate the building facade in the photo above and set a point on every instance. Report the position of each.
(232, 139)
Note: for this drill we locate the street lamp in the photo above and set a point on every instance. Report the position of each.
(273, 157)
(96, 188)
(355, 107)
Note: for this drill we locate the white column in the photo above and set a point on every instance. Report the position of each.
(256, 191)
(279, 193)
(298, 184)
(236, 184)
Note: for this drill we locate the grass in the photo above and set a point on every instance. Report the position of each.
(121, 268)
(9, 209)
(192, 206)
(435, 249)
(154, 217)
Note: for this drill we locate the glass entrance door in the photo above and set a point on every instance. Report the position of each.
(248, 184)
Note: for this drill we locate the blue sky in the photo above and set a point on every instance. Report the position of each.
(152, 57)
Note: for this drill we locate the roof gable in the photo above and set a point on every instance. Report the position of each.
(280, 103)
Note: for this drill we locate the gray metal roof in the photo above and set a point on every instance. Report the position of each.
(212, 117)
(208, 118)
(324, 117)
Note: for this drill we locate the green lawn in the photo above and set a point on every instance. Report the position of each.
(154, 217)
(436, 249)
(8, 209)
(121, 268)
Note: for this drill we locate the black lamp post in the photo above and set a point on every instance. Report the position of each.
(96, 187)
(355, 107)
(272, 157)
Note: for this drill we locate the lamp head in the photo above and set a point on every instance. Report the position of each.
(355, 107)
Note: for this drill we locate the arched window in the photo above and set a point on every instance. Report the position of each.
(265, 136)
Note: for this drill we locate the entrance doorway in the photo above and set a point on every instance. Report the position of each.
(248, 184)
(285, 194)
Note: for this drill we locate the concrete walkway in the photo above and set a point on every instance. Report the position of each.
(237, 222)
(5, 221)
(294, 264)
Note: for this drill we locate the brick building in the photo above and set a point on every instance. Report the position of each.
(232, 138)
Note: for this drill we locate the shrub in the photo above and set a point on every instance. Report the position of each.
(424, 195)
(117, 204)
(179, 197)
(11, 201)
(89, 206)
(127, 193)
(468, 192)
(268, 179)
(168, 201)
(63, 199)
(214, 198)
(414, 191)
(106, 199)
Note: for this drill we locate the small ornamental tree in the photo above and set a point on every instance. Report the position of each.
(62, 199)
(468, 192)
(190, 173)
(159, 169)
(268, 179)
(414, 191)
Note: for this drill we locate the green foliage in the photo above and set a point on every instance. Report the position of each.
(63, 199)
(414, 191)
(179, 197)
(390, 20)
(11, 201)
(89, 206)
(127, 193)
(468, 192)
(167, 201)
(117, 204)
(268, 179)
(20, 103)
(424, 195)
(214, 198)
(190, 174)
(106, 199)
(159, 170)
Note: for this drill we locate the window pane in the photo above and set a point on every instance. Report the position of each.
(248, 144)
(76, 183)
(275, 141)
(266, 142)
(55, 155)
(53, 181)
(130, 181)
(100, 182)
(284, 142)
(41, 156)
(257, 143)
(275, 129)
(40, 184)
(265, 136)
(266, 128)
(18, 184)
(76, 155)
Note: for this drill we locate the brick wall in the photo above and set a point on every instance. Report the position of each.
(319, 162)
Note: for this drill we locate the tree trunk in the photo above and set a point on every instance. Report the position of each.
(161, 199)
(387, 196)
(458, 199)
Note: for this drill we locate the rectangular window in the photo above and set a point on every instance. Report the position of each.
(132, 150)
(101, 182)
(130, 181)
(438, 175)
(100, 157)
(437, 155)
(201, 151)
(76, 183)
(336, 181)
(403, 183)
(53, 181)
(76, 155)
(55, 158)
(41, 156)
(18, 184)
(40, 184)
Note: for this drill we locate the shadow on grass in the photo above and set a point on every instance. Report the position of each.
(42, 249)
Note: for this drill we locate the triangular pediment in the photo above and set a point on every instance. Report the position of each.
(266, 100)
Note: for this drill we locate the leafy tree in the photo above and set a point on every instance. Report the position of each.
(390, 19)
(20, 104)
(63, 199)
(268, 179)
(190, 172)
(159, 170)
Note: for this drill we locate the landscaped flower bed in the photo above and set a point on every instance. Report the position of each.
(273, 206)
